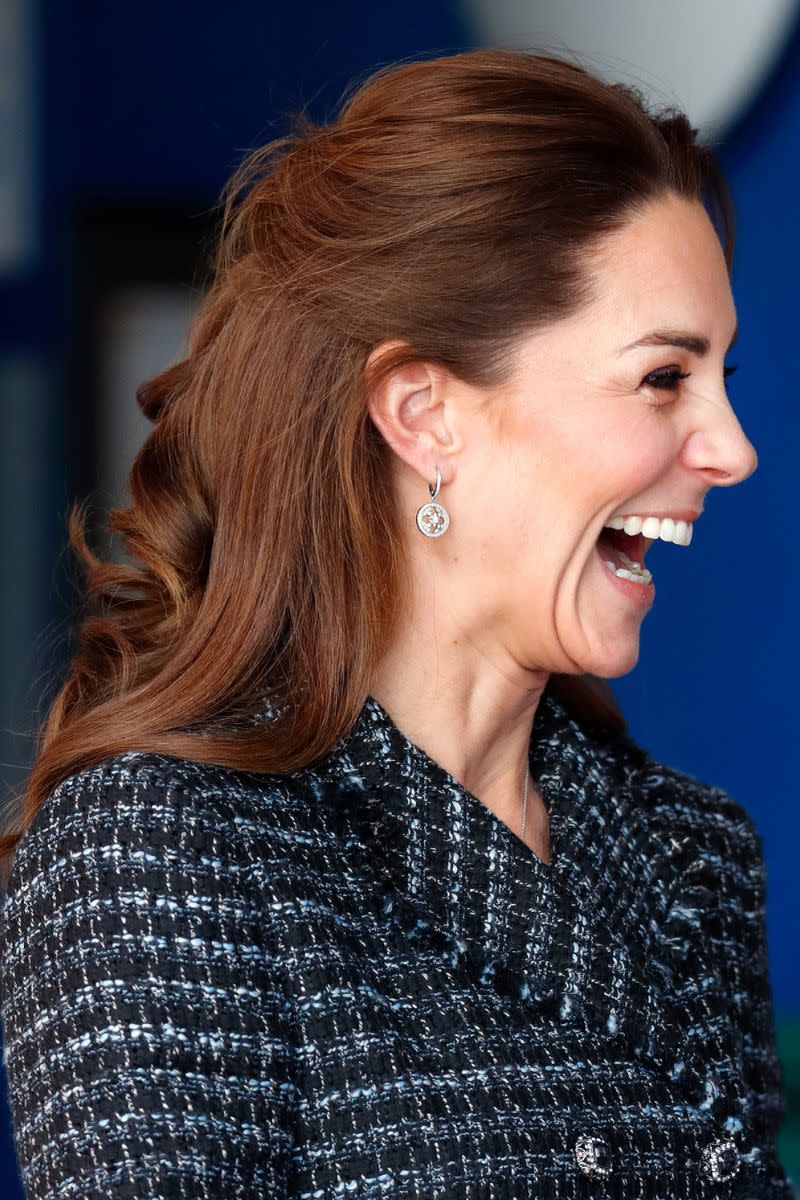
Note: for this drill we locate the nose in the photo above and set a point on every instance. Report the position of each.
(719, 449)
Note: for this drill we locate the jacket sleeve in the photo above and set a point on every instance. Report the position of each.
(145, 1026)
(753, 1011)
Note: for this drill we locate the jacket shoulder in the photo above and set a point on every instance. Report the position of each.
(172, 806)
(673, 798)
(683, 806)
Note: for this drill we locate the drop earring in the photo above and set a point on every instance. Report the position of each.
(432, 518)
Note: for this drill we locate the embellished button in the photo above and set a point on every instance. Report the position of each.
(720, 1161)
(593, 1155)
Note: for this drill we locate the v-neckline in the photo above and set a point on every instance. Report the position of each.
(440, 778)
(439, 848)
(572, 942)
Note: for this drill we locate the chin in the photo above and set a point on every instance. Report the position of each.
(620, 659)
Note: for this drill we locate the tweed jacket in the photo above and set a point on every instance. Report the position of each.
(354, 981)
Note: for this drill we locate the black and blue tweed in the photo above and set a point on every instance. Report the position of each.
(355, 981)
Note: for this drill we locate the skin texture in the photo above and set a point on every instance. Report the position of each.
(514, 589)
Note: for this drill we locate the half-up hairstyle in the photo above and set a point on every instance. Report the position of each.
(450, 204)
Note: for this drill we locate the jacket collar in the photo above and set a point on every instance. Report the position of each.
(447, 864)
(596, 940)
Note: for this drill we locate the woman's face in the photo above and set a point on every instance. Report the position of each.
(591, 427)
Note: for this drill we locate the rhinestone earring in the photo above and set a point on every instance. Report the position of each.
(432, 518)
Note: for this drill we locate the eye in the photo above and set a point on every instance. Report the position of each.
(667, 379)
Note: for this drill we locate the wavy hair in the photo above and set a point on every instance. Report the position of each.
(451, 203)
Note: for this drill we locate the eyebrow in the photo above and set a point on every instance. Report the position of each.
(697, 343)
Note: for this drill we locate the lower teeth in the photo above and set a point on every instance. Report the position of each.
(636, 573)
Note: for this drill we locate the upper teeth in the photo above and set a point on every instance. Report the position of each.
(679, 532)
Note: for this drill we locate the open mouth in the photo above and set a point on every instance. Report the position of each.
(623, 554)
(621, 548)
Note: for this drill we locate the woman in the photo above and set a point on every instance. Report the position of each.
(339, 874)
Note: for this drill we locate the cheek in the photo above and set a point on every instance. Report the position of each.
(631, 455)
(510, 536)
(521, 508)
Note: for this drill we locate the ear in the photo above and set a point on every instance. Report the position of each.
(410, 408)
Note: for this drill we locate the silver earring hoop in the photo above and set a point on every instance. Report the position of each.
(433, 518)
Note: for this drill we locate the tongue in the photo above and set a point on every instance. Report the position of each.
(611, 541)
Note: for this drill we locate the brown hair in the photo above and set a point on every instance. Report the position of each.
(451, 204)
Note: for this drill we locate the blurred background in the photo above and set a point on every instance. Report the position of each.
(119, 124)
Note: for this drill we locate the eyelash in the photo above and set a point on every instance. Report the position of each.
(670, 378)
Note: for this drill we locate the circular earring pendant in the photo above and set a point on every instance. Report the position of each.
(433, 518)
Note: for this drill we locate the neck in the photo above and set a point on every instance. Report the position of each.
(481, 736)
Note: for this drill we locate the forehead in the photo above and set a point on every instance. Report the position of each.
(664, 269)
(666, 266)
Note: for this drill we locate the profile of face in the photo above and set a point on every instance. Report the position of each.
(607, 416)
